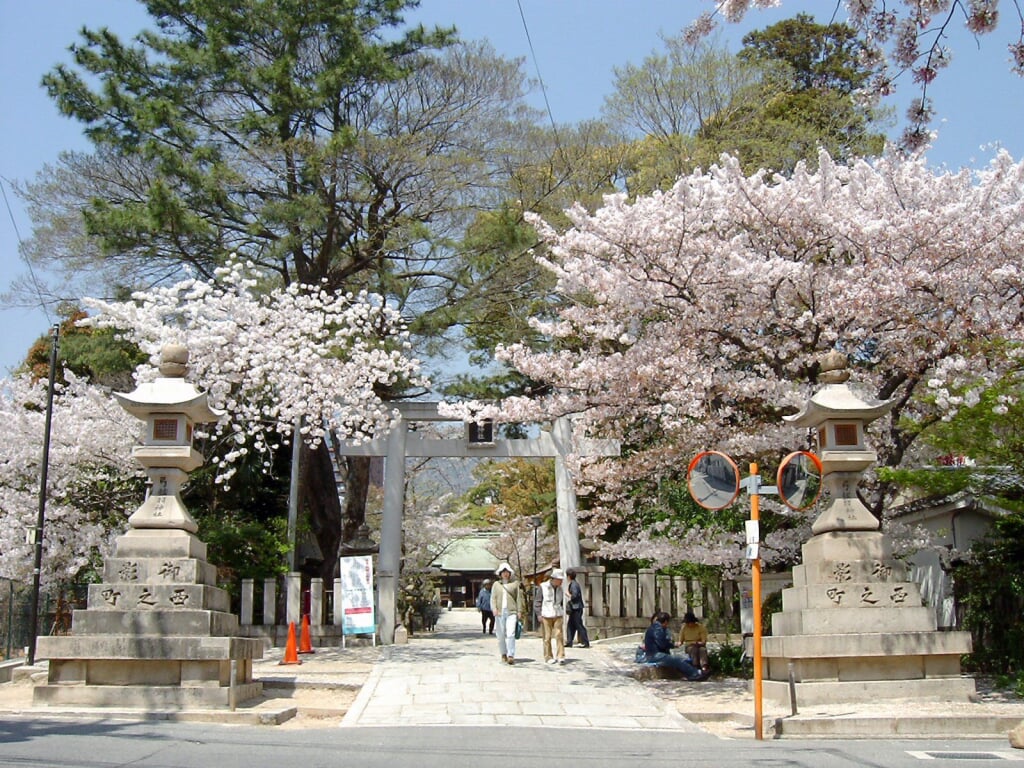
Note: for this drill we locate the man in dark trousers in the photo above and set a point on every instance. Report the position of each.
(574, 609)
(483, 604)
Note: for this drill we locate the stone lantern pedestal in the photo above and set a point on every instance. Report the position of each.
(157, 632)
(852, 627)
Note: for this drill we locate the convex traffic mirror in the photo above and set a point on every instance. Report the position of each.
(799, 480)
(713, 479)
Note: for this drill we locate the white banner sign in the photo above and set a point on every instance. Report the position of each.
(357, 596)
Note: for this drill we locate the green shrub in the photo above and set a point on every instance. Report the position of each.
(727, 660)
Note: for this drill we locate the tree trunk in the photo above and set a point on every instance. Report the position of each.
(357, 485)
(319, 495)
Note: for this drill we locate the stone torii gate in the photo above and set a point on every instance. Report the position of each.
(400, 444)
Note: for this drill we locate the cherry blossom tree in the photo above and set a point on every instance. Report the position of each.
(698, 317)
(268, 360)
(272, 359)
(900, 37)
(93, 483)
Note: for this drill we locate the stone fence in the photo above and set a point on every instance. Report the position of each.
(617, 604)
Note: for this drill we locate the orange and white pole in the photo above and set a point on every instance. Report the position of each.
(755, 579)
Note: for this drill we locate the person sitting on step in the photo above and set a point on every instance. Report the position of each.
(658, 647)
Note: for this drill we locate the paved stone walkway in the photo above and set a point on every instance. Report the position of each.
(455, 676)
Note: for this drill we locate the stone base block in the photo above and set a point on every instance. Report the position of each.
(142, 648)
(851, 594)
(122, 596)
(848, 621)
(155, 570)
(155, 542)
(863, 645)
(838, 692)
(847, 546)
(839, 573)
(143, 696)
(867, 668)
(149, 622)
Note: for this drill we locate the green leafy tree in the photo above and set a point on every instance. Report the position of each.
(812, 73)
(322, 141)
(512, 488)
(550, 170)
(990, 587)
(790, 91)
(92, 353)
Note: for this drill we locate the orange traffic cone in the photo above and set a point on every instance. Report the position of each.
(305, 644)
(290, 656)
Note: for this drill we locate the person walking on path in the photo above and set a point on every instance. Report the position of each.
(693, 637)
(658, 649)
(483, 604)
(505, 605)
(574, 610)
(552, 613)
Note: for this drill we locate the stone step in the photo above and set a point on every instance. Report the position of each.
(838, 692)
(142, 696)
(909, 725)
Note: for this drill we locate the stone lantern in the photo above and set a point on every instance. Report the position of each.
(853, 626)
(840, 416)
(157, 632)
(170, 407)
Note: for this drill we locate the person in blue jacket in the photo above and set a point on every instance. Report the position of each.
(658, 647)
(483, 604)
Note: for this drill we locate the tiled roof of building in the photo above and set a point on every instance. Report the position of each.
(469, 554)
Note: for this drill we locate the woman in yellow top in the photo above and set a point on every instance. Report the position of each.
(694, 639)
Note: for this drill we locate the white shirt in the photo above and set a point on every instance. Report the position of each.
(553, 598)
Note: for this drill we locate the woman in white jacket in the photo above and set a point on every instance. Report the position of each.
(505, 604)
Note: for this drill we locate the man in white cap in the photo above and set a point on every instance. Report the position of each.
(552, 612)
(505, 604)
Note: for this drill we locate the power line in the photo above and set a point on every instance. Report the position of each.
(17, 234)
(536, 67)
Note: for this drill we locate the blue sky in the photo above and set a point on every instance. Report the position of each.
(577, 43)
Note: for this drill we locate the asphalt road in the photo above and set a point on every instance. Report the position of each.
(30, 743)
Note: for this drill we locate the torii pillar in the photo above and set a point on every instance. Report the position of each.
(399, 445)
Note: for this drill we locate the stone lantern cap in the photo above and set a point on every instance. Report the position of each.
(170, 393)
(836, 400)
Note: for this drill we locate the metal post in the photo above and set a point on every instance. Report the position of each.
(43, 472)
(755, 578)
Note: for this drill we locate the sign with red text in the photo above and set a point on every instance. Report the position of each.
(358, 616)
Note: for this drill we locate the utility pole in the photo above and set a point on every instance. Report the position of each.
(41, 518)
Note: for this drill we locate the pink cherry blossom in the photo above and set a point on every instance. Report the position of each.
(268, 360)
(697, 316)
